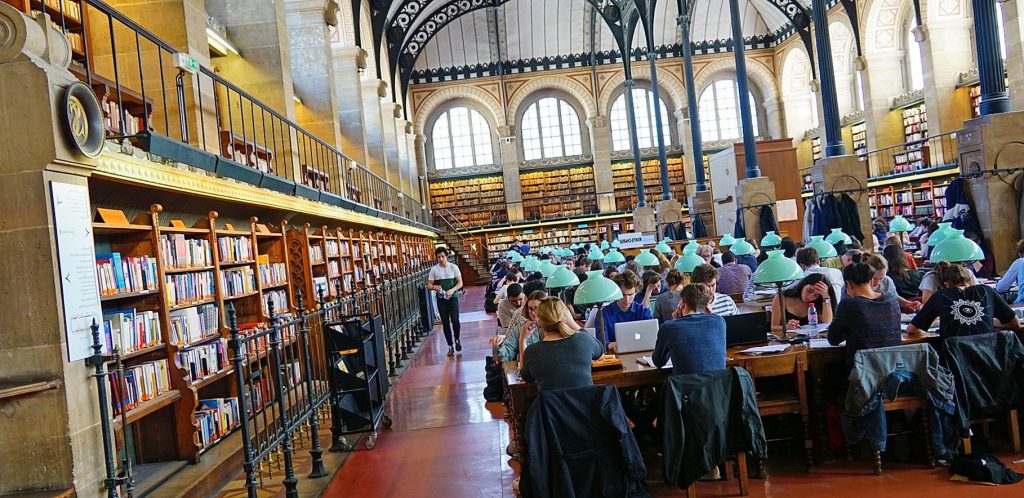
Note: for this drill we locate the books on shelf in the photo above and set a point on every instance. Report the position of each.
(191, 325)
(860, 138)
(316, 253)
(238, 281)
(333, 268)
(130, 330)
(215, 418)
(204, 360)
(137, 384)
(122, 275)
(279, 298)
(332, 248)
(234, 249)
(272, 274)
(186, 288)
(179, 252)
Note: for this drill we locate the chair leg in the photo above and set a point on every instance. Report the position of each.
(691, 491)
(741, 461)
(808, 444)
(929, 449)
(967, 445)
(1015, 430)
(878, 463)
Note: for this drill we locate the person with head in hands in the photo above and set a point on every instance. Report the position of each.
(810, 262)
(865, 318)
(445, 279)
(813, 289)
(511, 305)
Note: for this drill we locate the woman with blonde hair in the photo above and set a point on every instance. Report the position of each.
(563, 357)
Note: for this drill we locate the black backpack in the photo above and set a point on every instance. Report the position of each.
(495, 389)
(489, 305)
(984, 468)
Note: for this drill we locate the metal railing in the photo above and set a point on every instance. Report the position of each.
(450, 224)
(134, 75)
(938, 151)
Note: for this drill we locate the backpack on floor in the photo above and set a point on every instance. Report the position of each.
(494, 391)
(489, 305)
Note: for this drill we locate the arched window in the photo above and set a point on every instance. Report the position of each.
(1002, 31)
(915, 65)
(461, 138)
(551, 128)
(720, 113)
(643, 106)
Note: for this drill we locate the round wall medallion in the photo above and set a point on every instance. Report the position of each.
(83, 119)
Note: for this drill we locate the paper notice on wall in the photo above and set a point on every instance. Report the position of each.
(76, 258)
(786, 210)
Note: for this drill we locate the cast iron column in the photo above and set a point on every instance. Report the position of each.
(656, 108)
(749, 145)
(691, 96)
(826, 76)
(631, 122)
(991, 72)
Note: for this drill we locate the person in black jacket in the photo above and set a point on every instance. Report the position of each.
(578, 443)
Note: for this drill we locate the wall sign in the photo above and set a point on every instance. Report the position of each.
(76, 258)
(83, 120)
(633, 240)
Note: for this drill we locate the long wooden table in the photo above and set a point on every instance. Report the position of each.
(634, 374)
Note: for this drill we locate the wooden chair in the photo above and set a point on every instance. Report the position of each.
(1012, 421)
(741, 463)
(911, 402)
(785, 402)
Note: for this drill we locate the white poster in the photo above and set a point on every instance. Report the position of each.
(76, 258)
(786, 210)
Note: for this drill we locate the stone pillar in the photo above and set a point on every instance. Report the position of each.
(774, 112)
(947, 43)
(407, 146)
(51, 439)
(692, 137)
(885, 127)
(668, 211)
(753, 192)
(508, 151)
(312, 69)
(403, 157)
(702, 203)
(845, 173)
(348, 63)
(373, 126)
(389, 112)
(416, 171)
(984, 143)
(601, 142)
(1014, 39)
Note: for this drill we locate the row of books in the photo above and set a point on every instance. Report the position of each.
(118, 275)
(332, 248)
(137, 384)
(333, 269)
(194, 324)
(316, 254)
(215, 418)
(130, 330)
(278, 298)
(180, 252)
(234, 249)
(261, 387)
(185, 288)
(272, 274)
(238, 281)
(69, 8)
(205, 360)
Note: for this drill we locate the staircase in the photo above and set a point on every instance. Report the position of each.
(475, 271)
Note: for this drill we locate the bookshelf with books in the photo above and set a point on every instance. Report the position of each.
(624, 181)
(859, 134)
(560, 234)
(816, 150)
(914, 200)
(915, 131)
(476, 201)
(558, 193)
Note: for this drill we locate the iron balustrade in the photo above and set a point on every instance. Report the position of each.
(142, 91)
(935, 152)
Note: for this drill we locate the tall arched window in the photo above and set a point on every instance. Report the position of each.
(551, 128)
(461, 138)
(643, 106)
(1002, 31)
(915, 64)
(720, 113)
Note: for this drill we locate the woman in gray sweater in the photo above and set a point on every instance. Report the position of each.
(562, 358)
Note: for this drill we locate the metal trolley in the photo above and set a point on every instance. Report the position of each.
(358, 379)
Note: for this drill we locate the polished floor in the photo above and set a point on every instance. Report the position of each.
(448, 442)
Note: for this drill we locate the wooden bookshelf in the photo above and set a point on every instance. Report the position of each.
(624, 181)
(473, 201)
(915, 129)
(859, 133)
(913, 200)
(816, 150)
(560, 234)
(558, 193)
(974, 93)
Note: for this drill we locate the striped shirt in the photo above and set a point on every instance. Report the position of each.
(723, 305)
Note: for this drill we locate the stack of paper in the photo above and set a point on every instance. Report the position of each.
(648, 361)
(774, 348)
(823, 344)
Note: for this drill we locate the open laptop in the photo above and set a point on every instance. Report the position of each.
(636, 336)
(746, 328)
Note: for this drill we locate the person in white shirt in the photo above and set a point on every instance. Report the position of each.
(722, 304)
(809, 260)
(445, 279)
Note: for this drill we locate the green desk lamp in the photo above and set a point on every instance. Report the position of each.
(691, 247)
(663, 248)
(598, 289)
(900, 224)
(727, 241)
(614, 257)
(945, 230)
(838, 236)
(771, 239)
(562, 278)
(825, 250)
(516, 258)
(547, 268)
(687, 262)
(957, 249)
(595, 254)
(742, 247)
(604, 244)
(531, 264)
(615, 243)
(779, 270)
(646, 258)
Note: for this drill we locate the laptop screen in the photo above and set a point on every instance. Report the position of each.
(746, 328)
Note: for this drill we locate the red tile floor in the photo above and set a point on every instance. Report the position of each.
(448, 442)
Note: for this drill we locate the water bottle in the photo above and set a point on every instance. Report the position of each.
(812, 321)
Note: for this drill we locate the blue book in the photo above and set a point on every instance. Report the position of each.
(115, 259)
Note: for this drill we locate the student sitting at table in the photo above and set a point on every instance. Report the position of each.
(511, 305)
(865, 318)
(721, 304)
(810, 261)
(812, 289)
(962, 308)
(732, 276)
(906, 279)
(668, 302)
(562, 358)
(1014, 276)
(626, 309)
(931, 283)
(881, 281)
(521, 331)
(695, 340)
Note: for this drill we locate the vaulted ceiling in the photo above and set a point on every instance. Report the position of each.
(424, 36)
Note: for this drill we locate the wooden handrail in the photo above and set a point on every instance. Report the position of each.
(28, 389)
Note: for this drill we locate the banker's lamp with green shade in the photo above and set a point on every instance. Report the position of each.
(663, 247)
(547, 268)
(531, 264)
(562, 278)
(771, 239)
(727, 241)
(597, 289)
(691, 247)
(614, 257)
(825, 250)
(646, 258)
(574, 246)
(957, 249)
(838, 236)
(604, 245)
(742, 247)
(516, 258)
(900, 224)
(615, 243)
(945, 230)
(687, 262)
(595, 254)
(778, 270)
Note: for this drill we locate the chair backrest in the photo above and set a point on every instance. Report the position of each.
(788, 363)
